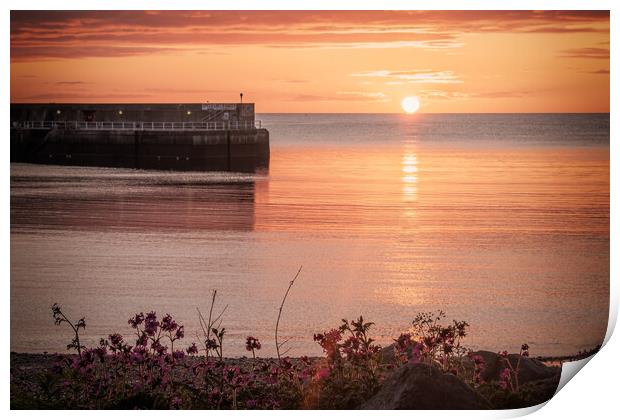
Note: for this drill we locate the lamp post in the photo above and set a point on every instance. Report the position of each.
(240, 107)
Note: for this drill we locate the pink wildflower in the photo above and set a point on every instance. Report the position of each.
(193, 349)
(252, 343)
(525, 350)
(504, 378)
(323, 373)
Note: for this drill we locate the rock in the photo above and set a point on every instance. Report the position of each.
(424, 387)
(542, 390)
(529, 369)
(387, 355)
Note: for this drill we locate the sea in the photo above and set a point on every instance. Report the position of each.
(500, 220)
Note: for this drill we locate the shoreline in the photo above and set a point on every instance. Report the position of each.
(550, 360)
(30, 373)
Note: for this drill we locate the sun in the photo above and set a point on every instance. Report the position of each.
(410, 104)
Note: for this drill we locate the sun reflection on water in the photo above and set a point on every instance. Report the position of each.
(409, 177)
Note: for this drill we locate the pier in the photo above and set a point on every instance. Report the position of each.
(181, 137)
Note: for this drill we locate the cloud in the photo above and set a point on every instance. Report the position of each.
(597, 53)
(317, 21)
(501, 94)
(373, 96)
(442, 94)
(601, 71)
(427, 45)
(75, 96)
(69, 52)
(75, 34)
(293, 81)
(303, 97)
(357, 96)
(70, 83)
(188, 90)
(425, 76)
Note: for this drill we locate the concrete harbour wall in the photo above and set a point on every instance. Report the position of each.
(244, 150)
(179, 137)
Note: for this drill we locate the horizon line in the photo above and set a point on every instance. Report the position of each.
(311, 112)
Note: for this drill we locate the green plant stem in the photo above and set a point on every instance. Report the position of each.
(280, 311)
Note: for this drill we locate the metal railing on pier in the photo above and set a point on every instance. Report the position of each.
(138, 125)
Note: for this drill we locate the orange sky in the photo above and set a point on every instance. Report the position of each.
(317, 61)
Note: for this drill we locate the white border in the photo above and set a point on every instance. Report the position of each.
(593, 395)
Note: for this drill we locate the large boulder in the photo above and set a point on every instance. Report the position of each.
(424, 387)
(529, 369)
(388, 353)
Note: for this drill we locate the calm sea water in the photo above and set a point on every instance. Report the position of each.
(500, 220)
